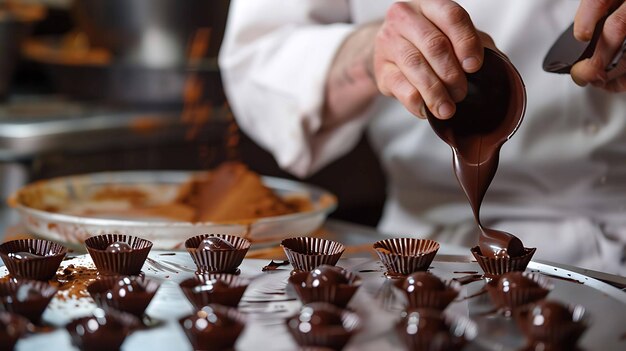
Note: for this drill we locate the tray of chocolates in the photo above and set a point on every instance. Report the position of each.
(167, 207)
(211, 298)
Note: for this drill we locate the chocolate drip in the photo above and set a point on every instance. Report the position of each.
(118, 247)
(423, 281)
(215, 244)
(23, 256)
(325, 275)
(487, 118)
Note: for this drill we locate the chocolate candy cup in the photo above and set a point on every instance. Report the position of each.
(12, 328)
(429, 298)
(431, 330)
(102, 331)
(496, 266)
(218, 331)
(336, 294)
(229, 296)
(134, 303)
(29, 306)
(305, 253)
(536, 288)
(403, 256)
(332, 336)
(39, 268)
(118, 263)
(550, 331)
(217, 261)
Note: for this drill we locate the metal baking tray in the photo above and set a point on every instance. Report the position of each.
(162, 187)
(267, 303)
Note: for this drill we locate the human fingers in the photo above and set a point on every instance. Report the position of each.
(587, 16)
(612, 38)
(609, 44)
(585, 72)
(425, 57)
(392, 82)
(617, 85)
(452, 19)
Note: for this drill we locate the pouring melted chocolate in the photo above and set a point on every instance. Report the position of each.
(483, 122)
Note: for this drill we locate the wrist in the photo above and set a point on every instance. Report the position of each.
(350, 84)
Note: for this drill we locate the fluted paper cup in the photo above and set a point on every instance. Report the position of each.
(403, 256)
(496, 266)
(336, 294)
(15, 326)
(213, 339)
(134, 303)
(31, 307)
(118, 263)
(123, 323)
(432, 299)
(565, 335)
(40, 268)
(306, 253)
(333, 337)
(516, 296)
(223, 296)
(217, 261)
(456, 332)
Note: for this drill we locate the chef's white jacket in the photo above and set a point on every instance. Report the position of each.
(561, 183)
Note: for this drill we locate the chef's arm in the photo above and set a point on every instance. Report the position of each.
(274, 61)
(350, 85)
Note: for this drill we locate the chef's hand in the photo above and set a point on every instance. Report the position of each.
(593, 70)
(421, 54)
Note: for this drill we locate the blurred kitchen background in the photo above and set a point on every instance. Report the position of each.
(105, 85)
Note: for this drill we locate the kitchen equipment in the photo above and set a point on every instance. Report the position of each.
(488, 116)
(151, 33)
(15, 25)
(92, 74)
(567, 51)
(267, 304)
(161, 187)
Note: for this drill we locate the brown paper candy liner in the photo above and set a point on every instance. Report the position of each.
(134, 303)
(41, 268)
(214, 339)
(218, 261)
(565, 335)
(518, 296)
(106, 341)
(403, 256)
(433, 299)
(118, 263)
(12, 328)
(228, 297)
(336, 294)
(332, 337)
(306, 253)
(461, 330)
(496, 266)
(31, 308)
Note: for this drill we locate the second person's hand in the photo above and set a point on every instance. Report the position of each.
(593, 70)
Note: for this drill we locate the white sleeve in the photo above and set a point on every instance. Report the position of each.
(274, 60)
